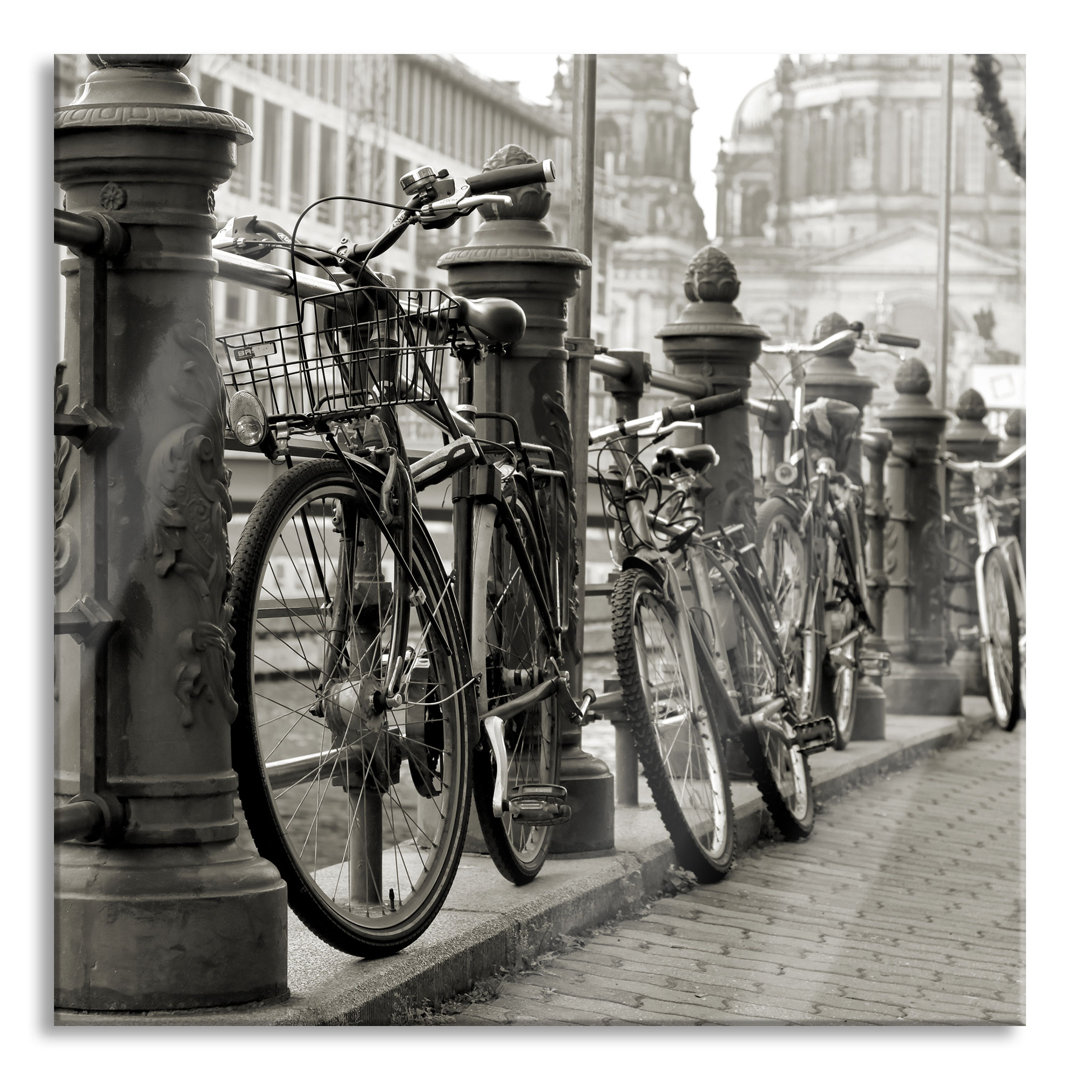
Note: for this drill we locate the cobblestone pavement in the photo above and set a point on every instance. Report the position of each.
(906, 905)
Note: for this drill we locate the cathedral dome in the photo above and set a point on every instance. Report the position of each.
(754, 114)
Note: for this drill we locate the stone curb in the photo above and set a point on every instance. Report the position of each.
(490, 926)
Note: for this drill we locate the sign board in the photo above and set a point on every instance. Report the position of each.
(1001, 385)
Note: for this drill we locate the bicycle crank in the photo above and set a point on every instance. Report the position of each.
(537, 804)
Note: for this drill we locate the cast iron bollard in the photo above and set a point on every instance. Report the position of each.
(876, 443)
(970, 440)
(166, 910)
(515, 255)
(710, 340)
(833, 375)
(1015, 477)
(920, 681)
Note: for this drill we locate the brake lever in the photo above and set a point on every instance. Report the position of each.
(458, 206)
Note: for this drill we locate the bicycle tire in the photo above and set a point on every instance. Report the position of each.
(328, 772)
(681, 754)
(516, 653)
(843, 605)
(784, 556)
(1001, 646)
(1011, 546)
(782, 773)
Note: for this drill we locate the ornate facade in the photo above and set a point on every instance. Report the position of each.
(828, 197)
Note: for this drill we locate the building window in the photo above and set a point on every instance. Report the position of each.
(300, 158)
(270, 136)
(243, 107)
(328, 172)
(210, 91)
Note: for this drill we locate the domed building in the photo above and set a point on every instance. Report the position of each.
(828, 196)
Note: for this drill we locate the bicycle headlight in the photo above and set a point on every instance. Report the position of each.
(985, 479)
(247, 418)
(786, 473)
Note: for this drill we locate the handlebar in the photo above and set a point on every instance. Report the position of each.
(510, 176)
(669, 417)
(978, 466)
(434, 201)
(856, 332)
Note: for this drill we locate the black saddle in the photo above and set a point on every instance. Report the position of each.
(673, 459)
(831, 427)
(498, 320)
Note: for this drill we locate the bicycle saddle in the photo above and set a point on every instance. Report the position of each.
(672, 459)
(831, 426)
(496, 319)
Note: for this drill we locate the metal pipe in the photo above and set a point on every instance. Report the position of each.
(273, 278)
(82, 820)
(662, 380)
(77, 231)
(944, 213)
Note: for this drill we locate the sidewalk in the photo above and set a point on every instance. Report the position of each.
(489, 924)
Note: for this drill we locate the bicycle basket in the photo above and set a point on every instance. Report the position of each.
(351, 351)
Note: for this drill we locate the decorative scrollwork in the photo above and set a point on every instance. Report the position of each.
(189, 507)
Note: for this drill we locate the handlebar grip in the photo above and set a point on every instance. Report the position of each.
(510, 176)
(707, 406)
(899, 341)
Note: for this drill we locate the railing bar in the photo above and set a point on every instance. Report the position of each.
(77, 231)
(272, 278)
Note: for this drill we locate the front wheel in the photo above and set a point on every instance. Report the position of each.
(676, 736)
(1001, 636)
(356, 712)
(789, 571)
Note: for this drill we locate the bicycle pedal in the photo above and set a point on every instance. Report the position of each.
(540, 804)
(813, 736)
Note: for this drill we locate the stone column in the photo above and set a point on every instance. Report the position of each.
(711, 341)
(514, 254)
(165, 910)
(833, 375)
(970, 440)
(920, 680)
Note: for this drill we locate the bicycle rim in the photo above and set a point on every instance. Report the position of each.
(782, 772)
(679, 748)
(516, 657)
(361, 802)
(1001, 649)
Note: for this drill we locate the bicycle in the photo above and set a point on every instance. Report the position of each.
(378, 694)
(693, 624)
(811, 541)
(1000, 586)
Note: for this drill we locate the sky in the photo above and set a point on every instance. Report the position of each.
(720, 81)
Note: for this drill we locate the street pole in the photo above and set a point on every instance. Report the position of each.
(944, 211)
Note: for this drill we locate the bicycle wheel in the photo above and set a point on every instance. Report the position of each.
(782, 772)
(679, 747)
(1001, 646)
(843, 638)
(517, 656)
(1011, 546)
(783, 554)
(360, 798)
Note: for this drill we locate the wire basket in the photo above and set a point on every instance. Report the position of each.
(351, 352)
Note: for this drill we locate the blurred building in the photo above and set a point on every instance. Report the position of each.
(828, 195)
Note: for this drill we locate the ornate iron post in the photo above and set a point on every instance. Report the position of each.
(163, 910)
(833, 375)
(710, 340)
(514, 254)
(920, 681)
(970, 440)
(1015, 477)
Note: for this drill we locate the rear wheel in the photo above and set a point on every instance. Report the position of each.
(1001, 647)
(678, 745)
(352, 742)
(517, 658)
